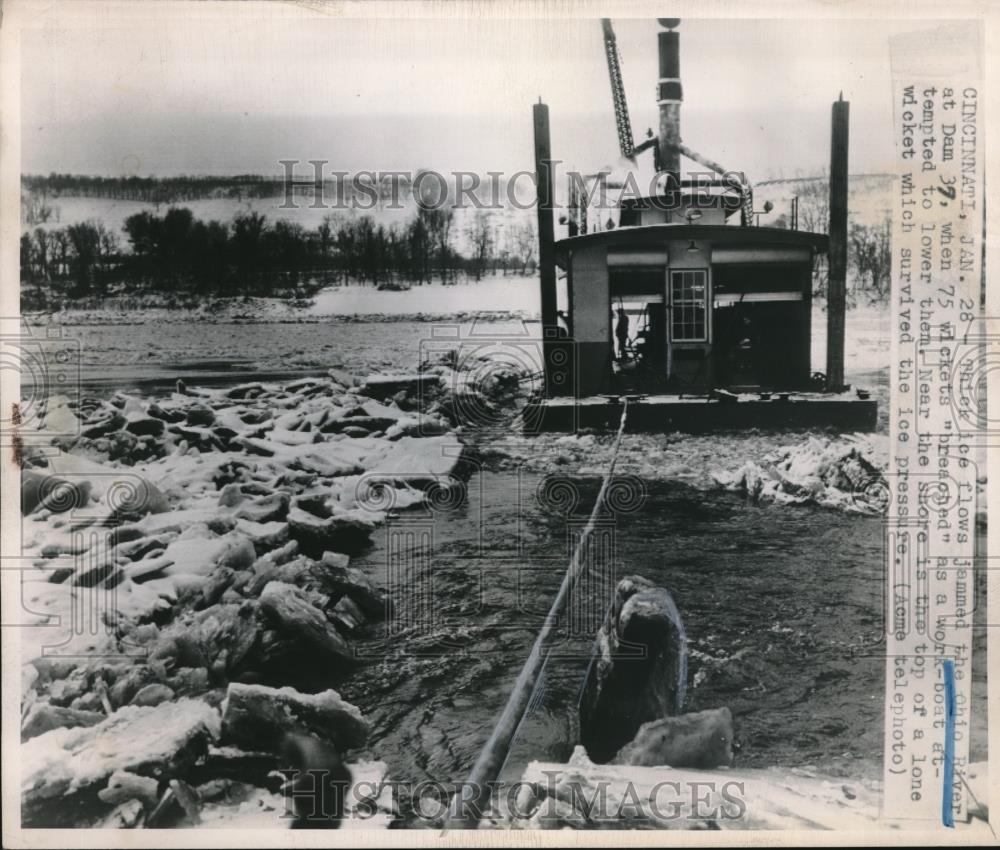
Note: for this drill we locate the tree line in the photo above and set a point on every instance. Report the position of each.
(869, 246)
(374, 189)
(250, 255)
(152, 190)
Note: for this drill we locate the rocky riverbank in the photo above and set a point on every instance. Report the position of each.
(187, 563)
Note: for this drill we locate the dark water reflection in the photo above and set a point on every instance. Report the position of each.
(782, 607)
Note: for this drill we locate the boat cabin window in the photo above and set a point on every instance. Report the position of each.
(628, 281)
(689, 306)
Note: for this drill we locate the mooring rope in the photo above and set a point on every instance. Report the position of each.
(475, 794)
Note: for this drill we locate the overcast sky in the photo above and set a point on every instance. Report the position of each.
(232, 90)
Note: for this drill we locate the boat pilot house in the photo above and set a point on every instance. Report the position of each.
(689, 307)
(681, 307)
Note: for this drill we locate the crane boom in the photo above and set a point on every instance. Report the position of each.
(626, 142)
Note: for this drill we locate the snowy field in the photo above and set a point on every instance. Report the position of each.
(128, 331)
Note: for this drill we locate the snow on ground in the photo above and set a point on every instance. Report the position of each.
(844, 472)
(866, 346)
(182, 544)
(840, 471)
(496, 293)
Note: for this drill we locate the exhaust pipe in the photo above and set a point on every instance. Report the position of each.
(669, 98)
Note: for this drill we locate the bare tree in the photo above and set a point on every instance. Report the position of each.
(84, 239)
(814, 217)
(43, 249)
(324, 235)
(480, 236)
(525, 243)
(445, 220)
(35, 208)
(108, 246)
(60, 251)
(814, 206)
(28, 257)
(870, 255)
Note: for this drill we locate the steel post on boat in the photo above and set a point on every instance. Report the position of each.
(836, 290)
(546, 237)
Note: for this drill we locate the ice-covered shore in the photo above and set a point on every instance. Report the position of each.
(496, 296)
(844, 472)
(178, 551)
(841, 471)
(584, 795)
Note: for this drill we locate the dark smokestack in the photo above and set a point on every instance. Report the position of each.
(669, 97)
(836, 288)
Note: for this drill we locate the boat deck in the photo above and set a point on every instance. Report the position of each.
(699, 413)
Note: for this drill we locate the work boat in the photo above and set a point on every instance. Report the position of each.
(680, 302)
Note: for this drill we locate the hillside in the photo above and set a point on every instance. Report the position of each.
(870, 202)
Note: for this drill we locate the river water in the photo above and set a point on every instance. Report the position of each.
(782, 607)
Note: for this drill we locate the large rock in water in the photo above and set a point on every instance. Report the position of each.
(703, 740)
(419, 461)
(95, 493)
(295, 615)
(640, 670)
(339, 579)
(386, 386)
(257, 717)
(43, 717)
(160, 742)
(347, 531)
